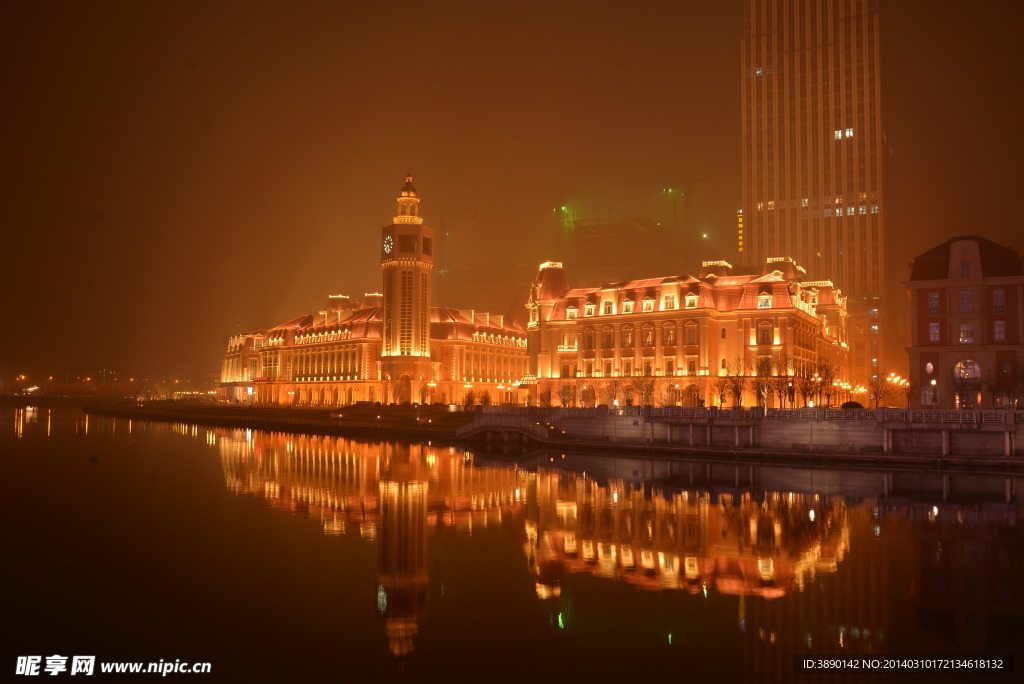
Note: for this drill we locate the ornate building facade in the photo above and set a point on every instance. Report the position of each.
(390, 347)
(967, 325)
(676, 335)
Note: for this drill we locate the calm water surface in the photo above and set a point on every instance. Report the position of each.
(280, 557)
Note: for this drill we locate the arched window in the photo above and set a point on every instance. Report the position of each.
(967, 370)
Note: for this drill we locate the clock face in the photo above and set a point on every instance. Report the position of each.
(388, 244)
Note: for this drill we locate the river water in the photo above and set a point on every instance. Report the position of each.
(285, 557)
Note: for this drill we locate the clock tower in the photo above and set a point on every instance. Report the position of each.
(407, 258)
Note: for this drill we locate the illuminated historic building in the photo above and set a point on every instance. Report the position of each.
(967, 324)
(675, 337)
(815, 157)
(390, 347)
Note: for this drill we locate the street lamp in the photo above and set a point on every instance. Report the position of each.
(935, 394)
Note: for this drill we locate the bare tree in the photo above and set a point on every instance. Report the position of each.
(644, 386)
(878, 389)
(485, 397)
(762, 380)
(827, 373)
(782, 376)
(611, 391)
(1002, 385)
(470, 398)
(567, 394)
(806, 385)
(544, 397)
(720, 387)
(736, 372)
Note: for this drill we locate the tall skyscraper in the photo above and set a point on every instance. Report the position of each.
(814, 155)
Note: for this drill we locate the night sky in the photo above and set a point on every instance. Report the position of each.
(176, 172)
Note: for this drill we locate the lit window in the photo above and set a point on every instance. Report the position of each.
(670, 302)
(968, 370)
(849, 132)
(648, 305)
(933, 303)
(850, 210)
(874, 208)
(933, 332)
(764, 301)
(804, 202)
(839, 135)
(691, 301)
(966, 333)
(588, 310)
(607, 308)
(669, 335)
(862, 209)
(998, 301)
(999, 331)
(627, 307)
(571, 313)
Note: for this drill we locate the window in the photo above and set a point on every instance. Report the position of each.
(627, 337)
(607, 339)
(723, 333)
(838, 135)
(607, 308)
(999, 331)
(691, 366)
(570, 313)
(969, 370)
(406, 243)
(691, 301)
(588, 339)
(627, 307)
(966, 301)
(588, 310)
(629, 367)
(691, 334)
(648, 305)
(998, 301)
(966, 333)
(669, 335)
(427, 246)
(849, 132)
(764, 334)
(723, 364)
(590, 369)
(764, 301)
(670, 366)
(933, 303)
(933, 332)
(669, 303)
(565, 370)
(648, 337)
(607, 368)
(648, 367)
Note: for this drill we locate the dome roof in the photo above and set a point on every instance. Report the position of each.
(408, 190)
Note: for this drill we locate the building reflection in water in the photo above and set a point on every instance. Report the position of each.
(391, 494)
(395, 494)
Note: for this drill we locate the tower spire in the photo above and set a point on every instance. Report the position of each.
(408, 203)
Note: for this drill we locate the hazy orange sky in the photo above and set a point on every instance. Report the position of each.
(175, 172)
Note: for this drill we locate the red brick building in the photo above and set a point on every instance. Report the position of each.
(966, 299)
